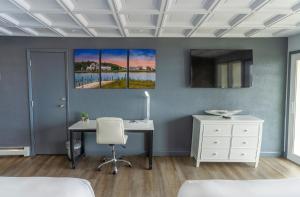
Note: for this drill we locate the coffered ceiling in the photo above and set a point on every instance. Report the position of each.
(150, 18)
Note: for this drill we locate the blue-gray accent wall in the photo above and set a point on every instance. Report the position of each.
(172, 101)
(294, 43)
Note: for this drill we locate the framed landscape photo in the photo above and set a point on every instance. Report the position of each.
(114, 68)
(86, 68)
(142, 68)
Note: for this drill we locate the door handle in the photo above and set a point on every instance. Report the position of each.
(61, 106)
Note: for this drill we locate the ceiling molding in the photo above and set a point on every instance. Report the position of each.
(26, 10)
(255, 6)
(164, 7)
(78, 18)
(213, 6)
(116, 6)
(151, 18)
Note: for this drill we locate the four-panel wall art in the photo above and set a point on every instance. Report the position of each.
(114, 68)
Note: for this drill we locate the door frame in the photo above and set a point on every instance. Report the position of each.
(289, 132)
(30, 105)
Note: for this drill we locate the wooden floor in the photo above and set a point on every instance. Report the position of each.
(163, 181)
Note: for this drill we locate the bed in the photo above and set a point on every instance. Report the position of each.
(238, 188)
(44, 187)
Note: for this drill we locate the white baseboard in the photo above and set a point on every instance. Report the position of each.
(6, 151)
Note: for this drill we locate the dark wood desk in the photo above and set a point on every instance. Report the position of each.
(136, 126)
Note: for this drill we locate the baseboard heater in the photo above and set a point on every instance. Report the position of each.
(25, 151)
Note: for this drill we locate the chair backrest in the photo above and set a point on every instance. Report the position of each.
(110, 131)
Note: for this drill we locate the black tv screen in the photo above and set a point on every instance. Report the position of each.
(221, 68)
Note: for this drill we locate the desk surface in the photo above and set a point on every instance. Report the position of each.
(128, 125)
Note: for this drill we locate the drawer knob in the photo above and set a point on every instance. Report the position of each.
(242, 154)
(214, 154)
(246, 130)
(244, 142)
(216, 142)
(217, 130)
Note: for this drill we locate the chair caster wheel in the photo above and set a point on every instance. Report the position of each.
(130, 166)
(115, 171)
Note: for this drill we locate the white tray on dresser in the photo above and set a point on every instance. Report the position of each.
(216, 139)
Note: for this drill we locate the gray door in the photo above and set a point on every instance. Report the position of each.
(48, 82)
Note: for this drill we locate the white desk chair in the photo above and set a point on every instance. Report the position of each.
(111, 131)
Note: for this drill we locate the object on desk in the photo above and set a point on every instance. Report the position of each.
(111, 131)
(84, 116)
(224, 113)
(147, 105)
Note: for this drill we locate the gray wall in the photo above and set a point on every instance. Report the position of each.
(172, 101)
(294, 43)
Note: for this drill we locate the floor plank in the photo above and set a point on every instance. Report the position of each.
(164, 180)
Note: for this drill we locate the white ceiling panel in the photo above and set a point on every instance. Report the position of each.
(174, 32)
(7, 7)
(139, 4)
(138, 32)
(44, 32)
(293, 20)
(190, 5)
(99, 20)
(90, 4)
(150, 18)
(72, 32)
(237, 32)
(141, 20)
(45, 6)
(15, 31)
(182, 20)
(61, 20)
(106, 32)
(23, 20)
(281, 4)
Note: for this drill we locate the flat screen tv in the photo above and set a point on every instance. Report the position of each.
(221, 68)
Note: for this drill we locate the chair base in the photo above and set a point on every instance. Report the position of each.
(114, 162)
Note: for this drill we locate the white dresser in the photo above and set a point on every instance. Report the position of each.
(216, 139)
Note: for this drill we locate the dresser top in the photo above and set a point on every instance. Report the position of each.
(237, 118)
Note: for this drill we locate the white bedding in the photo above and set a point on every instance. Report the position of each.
(44, 187)
(236, 188)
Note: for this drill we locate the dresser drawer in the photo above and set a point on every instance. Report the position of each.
(243, 154)
(214, 154)
(244, 142)
(216, 142)
(217, 130)
(245, 130)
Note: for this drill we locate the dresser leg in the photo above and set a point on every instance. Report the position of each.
(197, 163)
(253, 164)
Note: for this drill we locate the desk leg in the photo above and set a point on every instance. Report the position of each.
(150, 149)
(82, 144)
(72, 150)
